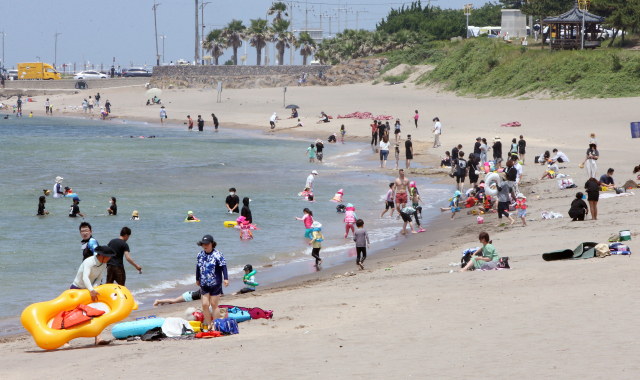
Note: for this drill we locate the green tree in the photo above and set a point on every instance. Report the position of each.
(258, 34)
(283, 38)
(215, 44)
(490, 14)
(234, 34)
(546, 8)
(621, 15)
(278, 9)
(307, 46)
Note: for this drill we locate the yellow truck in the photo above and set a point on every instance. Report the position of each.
(37, 70)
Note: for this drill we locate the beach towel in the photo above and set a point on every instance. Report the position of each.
(612, 194)
(584, 250)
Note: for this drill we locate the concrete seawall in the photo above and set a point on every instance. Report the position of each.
(70, 84)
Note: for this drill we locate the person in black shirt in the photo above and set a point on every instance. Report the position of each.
(232, 201)
(75, 209)
(200, 123)
(215, 121)
(113, 209)
(107, 106)
(408, 147)
(246, 212)
(497, 148)
(455, 153)
(115, 266)
(579, 208)
(41, 210)
(521, 148)
(319, 147)
(593, 195)
(476, 147)
(381, 130)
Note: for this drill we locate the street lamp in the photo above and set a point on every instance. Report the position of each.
(584, 6)
(163, 38)
(467, 12)
(55, 57)
(155, 22)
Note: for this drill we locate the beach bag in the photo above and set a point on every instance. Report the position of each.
(536, 159)
(480, 220)
(226, 326)
(153, 334)
(565, 183)
(256, 312)
(602, 250)
(504, 263)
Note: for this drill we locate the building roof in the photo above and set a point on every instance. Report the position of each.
(574, 16)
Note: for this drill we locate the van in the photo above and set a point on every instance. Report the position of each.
(37, 70)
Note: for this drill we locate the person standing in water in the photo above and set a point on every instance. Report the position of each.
(246, 212)
(310, 180)
(189, 123)
(41, 210)
(75, 208)
(163, 115)
(58, 191)
(232, 201)
(200, 123)
(115, 268)
(401, 184)
(215, 121)
(89, 243)
(113, 209)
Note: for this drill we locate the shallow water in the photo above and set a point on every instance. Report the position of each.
(163, 178)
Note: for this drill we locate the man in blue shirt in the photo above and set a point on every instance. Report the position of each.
(89, 244)
(607, 179)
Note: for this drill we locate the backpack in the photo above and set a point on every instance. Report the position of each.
(226, 326)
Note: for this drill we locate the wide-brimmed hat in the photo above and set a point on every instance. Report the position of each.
(135, 213)
(59, 179)
(497, 138)
(520, 195)
(316, 225)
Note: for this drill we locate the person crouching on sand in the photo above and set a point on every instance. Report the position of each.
(489, 258)
(406, 213)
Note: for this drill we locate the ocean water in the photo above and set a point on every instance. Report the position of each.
(163, 178)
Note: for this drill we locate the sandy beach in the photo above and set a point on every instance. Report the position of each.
(406, 315)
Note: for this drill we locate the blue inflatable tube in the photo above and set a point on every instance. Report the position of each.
(238, 314)
(135, 328)
(71, 195)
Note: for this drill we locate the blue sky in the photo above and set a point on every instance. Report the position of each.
(98, 31)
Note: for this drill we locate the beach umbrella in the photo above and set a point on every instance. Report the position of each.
(291, 106)
(153, 92)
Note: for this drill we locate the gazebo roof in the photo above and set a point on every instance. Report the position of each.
(574, 16)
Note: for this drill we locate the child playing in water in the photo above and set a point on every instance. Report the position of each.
(316, 241)
(342, 132)
(311, 151)
(521, 205)
(191, 217)
(415, 196)
(190, 122)
(310, 198)
(245, 230)
(454, 205)
(397, 151)
(338, 197)
(134, 215)
(388, 203)
(406, 213)
(249, 280)
(349, 219)
(362, 243)
(308, 221)
(41, 210)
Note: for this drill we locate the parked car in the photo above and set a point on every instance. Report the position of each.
(135, 72)
(12, 74)
(89, 74)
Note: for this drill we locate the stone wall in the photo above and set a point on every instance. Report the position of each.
(356, 71)
(69, 84)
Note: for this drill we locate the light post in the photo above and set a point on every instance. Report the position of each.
(3, 64)
(55, 56)
(467, 12)
(155, 22)
(584, 6)
(202, 15)
(163, 38)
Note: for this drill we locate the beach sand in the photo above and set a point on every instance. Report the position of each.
(563, 319)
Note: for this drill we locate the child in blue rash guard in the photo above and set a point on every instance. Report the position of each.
(210, 269)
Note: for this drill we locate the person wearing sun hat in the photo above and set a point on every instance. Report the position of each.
(57, 188)
(311, 179)
(134, 215)
(211, 269)
(316, 241)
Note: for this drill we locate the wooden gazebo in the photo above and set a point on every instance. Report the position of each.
(565, 31)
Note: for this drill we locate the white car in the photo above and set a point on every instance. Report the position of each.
(90, 74)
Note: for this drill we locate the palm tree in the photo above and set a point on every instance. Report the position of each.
(283, 38)
(258, 34)
(307, 46)
(215, 44)
(279, 9)
(234, 34)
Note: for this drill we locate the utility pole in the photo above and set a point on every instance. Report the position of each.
(266, 45)
(163, 38)
(55, 56)
(358, 11)
(338, 9)
(197, 52)
(467, 12)
(202, 12)
(155, 21)
(3, 63)
(291, 30)
(306, 16)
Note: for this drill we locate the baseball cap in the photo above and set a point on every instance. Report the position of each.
(314, 172)
(248, 267)
(105, 251)
(206, 239)
(408, 136)
(478, 138)
(76, 199)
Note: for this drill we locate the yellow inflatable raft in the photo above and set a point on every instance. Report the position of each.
(115, 300)
(230, 224)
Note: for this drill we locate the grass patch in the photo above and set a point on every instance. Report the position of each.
(397, 78)
(485, 67)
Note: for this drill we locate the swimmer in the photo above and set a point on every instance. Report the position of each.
(6, 117)
(186, 297)
(41, 210)
(191, 217)
(46, 192)
(113, 208)
(31, 114)
(350, 220)
(134, 216)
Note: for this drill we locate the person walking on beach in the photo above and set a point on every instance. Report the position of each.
(316, 242)
(91, 104)
(319, 148)
(107, 106)
(437, 131)
(484, 151)
(232, 201)
(19, 102)
(401, 186)
(85, 105)
(384, 151)
(514, 147)
(272, 120)
(397, 131)
(408, 147)
(397, 154)
(200, 123)
(215, 121)
(388, 203)
(460, 172)
(88, 242)
(90, 275)
(189, 123)
(522, 145)
(589, 162)
(497, 148)
(46, 106)
(211, 269)
(310, 180)
(415, 118)
(592, 187)
(455, 154)
(374, 134)
(163, 115)
(115, 267)
(97, 100)
(361, 237)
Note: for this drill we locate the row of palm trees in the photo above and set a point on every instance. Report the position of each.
(352, 44)
(258, 34)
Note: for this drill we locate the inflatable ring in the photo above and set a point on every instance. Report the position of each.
(490, 188)
(192, 221)
(230, 223)
(71, 195)
(115, 300)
